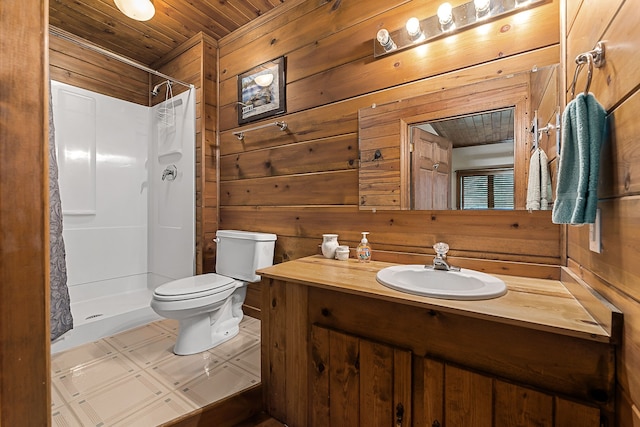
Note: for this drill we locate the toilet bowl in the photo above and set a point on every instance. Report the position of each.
(197, 303)
(208, 307)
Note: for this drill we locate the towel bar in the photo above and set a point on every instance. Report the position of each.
(281, 125)
(538, 131)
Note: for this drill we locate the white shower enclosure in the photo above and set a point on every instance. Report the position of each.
(126, 229)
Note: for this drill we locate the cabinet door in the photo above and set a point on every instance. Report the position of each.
(520, 406)
(467, 398)
(574, 414)
(428, 392)
(356, 382)
(476, 400)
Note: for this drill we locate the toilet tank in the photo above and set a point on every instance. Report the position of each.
(240, 253)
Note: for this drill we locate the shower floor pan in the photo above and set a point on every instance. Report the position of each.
(105, 316)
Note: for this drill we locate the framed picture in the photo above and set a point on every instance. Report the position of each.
(261, 91)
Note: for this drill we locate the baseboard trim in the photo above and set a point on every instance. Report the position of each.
(228, 412)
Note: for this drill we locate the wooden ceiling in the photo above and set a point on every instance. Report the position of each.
(491, 127)
(175, 21)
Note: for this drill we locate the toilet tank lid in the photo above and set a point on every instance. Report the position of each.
(249, 235)
(195, 285)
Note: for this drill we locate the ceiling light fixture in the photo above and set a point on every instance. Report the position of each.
(140, 10)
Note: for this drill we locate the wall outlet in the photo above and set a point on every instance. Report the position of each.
(595, 234)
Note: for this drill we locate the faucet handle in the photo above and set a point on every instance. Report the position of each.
(170, 173)
(441, 249)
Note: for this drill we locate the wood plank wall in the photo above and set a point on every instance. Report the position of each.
(304, 182)
(25, 396)
(195, 62)
(615, 272)
(80, 67)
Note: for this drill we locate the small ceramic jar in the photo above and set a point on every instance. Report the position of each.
(342, 253)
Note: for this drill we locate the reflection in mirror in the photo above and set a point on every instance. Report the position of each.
(465, 147)
(464, 162)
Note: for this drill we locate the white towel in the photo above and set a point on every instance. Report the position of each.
(533, 187)
(545, 182)
(539, 186)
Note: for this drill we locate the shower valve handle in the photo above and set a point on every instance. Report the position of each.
(170, 173)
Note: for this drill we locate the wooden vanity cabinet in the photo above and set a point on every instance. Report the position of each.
(357, 382)
(332, 358)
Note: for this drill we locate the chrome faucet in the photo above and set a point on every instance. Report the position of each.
(440, 260)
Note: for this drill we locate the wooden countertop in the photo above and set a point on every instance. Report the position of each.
(539, 304)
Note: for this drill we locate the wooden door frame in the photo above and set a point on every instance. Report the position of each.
(25, 378)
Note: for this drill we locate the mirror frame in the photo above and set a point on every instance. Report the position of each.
(383, 132)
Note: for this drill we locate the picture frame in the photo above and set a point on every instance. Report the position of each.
(261, 91)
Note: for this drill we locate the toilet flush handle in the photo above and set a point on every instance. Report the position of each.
(216, 240)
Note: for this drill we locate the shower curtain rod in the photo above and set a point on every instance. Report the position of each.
(57, 32)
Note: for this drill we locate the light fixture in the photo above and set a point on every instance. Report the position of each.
(448, 20)
(264, 80)
(385, 40)
(413, 29)
(140, 10)
(483, 7)
(445, 17)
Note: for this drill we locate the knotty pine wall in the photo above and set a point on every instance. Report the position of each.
(615, 272)
(303, 182)
(74, 65)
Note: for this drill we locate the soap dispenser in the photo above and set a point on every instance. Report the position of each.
(364, 249)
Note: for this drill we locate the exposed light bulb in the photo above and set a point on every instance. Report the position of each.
(481, 4)
(445, 16)
(413, 29)
(140, 10)
(385, 40)
(482, 7)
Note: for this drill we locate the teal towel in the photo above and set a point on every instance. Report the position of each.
(583, 133)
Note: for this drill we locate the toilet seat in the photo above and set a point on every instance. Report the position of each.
(194, 287)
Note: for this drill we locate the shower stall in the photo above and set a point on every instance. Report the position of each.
(127, 184)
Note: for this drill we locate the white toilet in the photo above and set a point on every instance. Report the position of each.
(209, 306)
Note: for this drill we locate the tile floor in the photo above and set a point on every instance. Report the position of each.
(134, 379)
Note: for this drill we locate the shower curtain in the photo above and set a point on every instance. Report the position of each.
(60, 306)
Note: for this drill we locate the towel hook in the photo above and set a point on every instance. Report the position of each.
(593, 58)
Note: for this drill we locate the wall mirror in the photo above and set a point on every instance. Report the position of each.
(462, 148)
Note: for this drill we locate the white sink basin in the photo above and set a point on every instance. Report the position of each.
(458, 285)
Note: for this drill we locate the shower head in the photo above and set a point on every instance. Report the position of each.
(154, 92)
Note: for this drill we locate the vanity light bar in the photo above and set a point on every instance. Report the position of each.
(449, 20)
